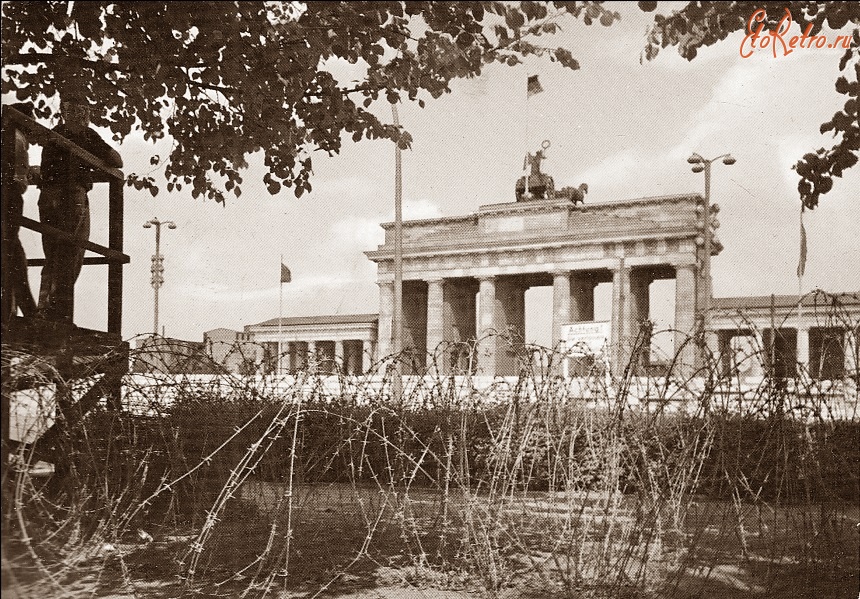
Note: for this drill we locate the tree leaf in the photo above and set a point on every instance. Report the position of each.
(254, 76)
(701, 24)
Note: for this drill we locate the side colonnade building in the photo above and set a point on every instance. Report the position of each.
(815, 339)
(337, 343)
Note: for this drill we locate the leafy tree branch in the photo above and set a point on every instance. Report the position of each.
(701, 24)
(228, 79)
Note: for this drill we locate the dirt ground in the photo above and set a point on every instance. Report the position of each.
(368, 544)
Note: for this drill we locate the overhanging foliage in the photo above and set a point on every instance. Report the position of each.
(225, 80)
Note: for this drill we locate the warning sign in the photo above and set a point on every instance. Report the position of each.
(585, 338)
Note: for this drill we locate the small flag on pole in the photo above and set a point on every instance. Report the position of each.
(801, 264)
(533, 87)
(285, 274)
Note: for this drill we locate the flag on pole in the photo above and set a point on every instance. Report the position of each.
(533, 86)
(286, 277)
(801, 264)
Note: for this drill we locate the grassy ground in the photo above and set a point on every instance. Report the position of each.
(369, 542)
(176, 506)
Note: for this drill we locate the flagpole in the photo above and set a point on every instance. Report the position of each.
(532, 87)
(528, 170)
(801, 268)
(397, 317)
(280, 312)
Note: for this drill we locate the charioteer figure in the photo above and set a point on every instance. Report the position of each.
(537, 185)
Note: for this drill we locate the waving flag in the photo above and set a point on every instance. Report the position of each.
(801, 264)
(533, 87)
(286, 277)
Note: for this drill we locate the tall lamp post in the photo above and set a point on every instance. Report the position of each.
(157, 264)
(705, 289)
(397, 319)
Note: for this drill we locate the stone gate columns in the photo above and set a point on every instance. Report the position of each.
(631, 305)
(510, 322)
(366, 358)
(386, 314)
(292, 360)
(459, 325)
(620, 317)
(640, 301)
(504, 247)
(487, 326)
(802, 350)
(340, 357)
(685, 317)
(582, 286)
(561, 301)
(435, 323)
(313, 356)
(639, 310)
(850, 352)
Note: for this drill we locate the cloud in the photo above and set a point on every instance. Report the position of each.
(610, 174)
(221, 293)
(734, 98)
(706, 57)
(347, 186)
(789, 150)
(414, 209)
(359, 232)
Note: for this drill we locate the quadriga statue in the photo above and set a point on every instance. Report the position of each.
(536, 185)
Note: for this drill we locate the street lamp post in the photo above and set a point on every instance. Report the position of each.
(397, 319)
(705, 288)
(157, 264)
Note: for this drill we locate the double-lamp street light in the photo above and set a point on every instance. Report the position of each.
(705, 289)
(157, 267)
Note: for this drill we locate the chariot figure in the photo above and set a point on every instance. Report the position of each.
(536, 185)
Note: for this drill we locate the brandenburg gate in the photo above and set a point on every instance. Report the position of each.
(465, 277)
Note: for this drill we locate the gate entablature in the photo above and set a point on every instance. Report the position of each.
(541, 236)
(630, 242)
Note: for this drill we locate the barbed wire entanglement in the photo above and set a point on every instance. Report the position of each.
(643, 484)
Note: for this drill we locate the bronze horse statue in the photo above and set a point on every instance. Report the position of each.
(574, 194)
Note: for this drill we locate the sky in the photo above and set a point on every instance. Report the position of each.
(623, 127)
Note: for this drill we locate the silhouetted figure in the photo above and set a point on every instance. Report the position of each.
(63, 204)
(16, 284)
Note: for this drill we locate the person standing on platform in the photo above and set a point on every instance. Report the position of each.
(64, 204)
(15, 280)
